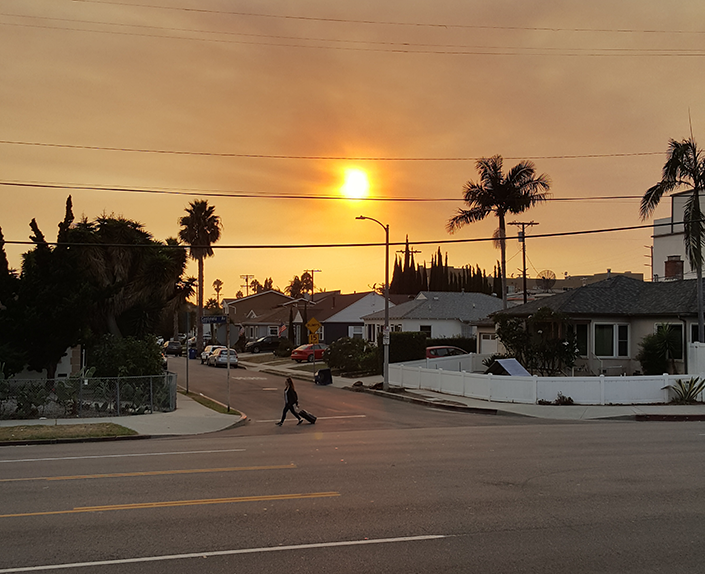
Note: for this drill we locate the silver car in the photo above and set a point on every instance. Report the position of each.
(208, 351)
(220, 358)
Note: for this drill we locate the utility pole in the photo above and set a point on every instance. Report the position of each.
(522, 240)
(650, 264)
(247, 283)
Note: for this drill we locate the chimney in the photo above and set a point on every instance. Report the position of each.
(674, 267)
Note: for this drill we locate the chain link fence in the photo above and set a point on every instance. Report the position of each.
(82, 397)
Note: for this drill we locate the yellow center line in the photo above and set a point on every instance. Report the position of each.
(150, 473)
(175, 503)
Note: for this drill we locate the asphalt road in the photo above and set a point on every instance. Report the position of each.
(421, 492)
(261, 397)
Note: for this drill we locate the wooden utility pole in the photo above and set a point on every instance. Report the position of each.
(522, 240)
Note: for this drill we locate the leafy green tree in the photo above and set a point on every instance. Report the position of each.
(134, 276)
(200, 229)
(294, 289)
(14, 358)
(498, 194)
(54, 299)
(684, 170)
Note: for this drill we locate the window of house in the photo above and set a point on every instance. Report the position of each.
(581, 338)
(694, 337)
(425, 329)
(611, 340)
(604, 336)
(273, 331)
(355, 331)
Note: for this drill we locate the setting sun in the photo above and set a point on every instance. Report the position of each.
(356, 185)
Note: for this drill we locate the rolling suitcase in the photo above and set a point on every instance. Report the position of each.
(308, 416)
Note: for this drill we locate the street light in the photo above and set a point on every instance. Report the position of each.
(385, 336)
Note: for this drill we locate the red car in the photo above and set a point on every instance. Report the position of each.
(307, 353)
(435, 352)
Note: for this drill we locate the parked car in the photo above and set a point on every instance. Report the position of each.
(173, 348)
(443, 351)
(208, 351)
(268, 343)
(220, 358)
(308, 352)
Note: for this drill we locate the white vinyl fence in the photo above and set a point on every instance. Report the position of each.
(600, 390)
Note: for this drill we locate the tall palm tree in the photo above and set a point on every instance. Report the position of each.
(500, 194)
(684, 170)
(200, 228)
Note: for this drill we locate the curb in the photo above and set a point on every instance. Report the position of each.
(424, 402)
(36, 442)
(662, 418)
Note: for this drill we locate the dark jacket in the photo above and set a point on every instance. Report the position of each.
(291, 397)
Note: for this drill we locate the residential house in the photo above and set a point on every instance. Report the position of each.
(341, 314)
(612, 317)
(438, 313)
(257, 315)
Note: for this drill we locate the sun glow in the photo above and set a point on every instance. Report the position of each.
(356, 185)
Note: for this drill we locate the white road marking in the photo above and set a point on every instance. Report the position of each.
(124, 455)
(221, 553)
(322, 418)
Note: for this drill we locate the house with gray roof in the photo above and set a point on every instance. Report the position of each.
(611, 318)
(438, 313)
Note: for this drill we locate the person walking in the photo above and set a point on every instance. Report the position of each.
(290, 399)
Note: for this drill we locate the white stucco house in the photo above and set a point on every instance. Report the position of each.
(440, 314)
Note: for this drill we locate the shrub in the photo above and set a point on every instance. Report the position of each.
(687, 391)
(351, 355)
(651, 356)
(125, 357)
(284, 349)
(408, 346)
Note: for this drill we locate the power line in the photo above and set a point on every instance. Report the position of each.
(348, 245)
(310, 157)
(406, 46)
(270, 195)
(396, 23)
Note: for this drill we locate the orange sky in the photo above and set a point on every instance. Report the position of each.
(320, 82)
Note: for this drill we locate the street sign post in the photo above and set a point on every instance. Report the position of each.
(313, 339)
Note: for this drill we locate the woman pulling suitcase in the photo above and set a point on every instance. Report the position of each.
(291, 400)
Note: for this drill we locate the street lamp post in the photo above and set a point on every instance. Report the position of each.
(385, 336)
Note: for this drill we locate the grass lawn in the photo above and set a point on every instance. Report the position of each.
(206, 402)
(44, 432)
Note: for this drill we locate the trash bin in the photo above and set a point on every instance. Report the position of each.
(192, 353)
(323, 377)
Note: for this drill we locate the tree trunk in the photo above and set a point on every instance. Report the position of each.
(503, 250)
(199, 315)
(701, 321)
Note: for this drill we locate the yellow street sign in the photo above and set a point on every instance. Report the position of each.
(313, 339)
(313, 325)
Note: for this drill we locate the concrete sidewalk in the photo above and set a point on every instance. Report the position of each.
(189, 418)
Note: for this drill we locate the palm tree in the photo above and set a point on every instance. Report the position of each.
(684, 169)
(218, 286)
(200, 228)
(496, 193)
